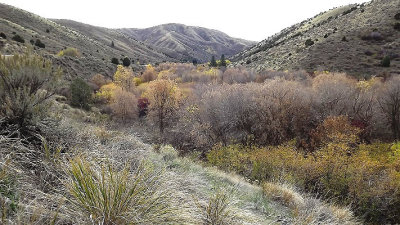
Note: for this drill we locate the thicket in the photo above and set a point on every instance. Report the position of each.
(365, 176)
(311, 131)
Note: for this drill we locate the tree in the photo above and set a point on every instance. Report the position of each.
(18, 38)
(386, 61)
(149, 74)
(125, 105)
(223, 61)
(126, 62)
(81, 94)
(115, 61)
(123, 77)
(389, 102)
(99, 80)
(213, 62)
(112, 44)
(26, 83)
(165, 98)
(39, 44)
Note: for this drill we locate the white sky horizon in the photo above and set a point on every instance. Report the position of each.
(253, 20)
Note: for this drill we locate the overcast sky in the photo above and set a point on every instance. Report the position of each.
(249, 19)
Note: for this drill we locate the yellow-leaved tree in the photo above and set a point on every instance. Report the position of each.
(123, 77)
(165, 98)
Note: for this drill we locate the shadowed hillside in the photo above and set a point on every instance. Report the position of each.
(353, 39)
(188, 42)
(93, 43)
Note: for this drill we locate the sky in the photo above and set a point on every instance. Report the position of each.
(248, 19)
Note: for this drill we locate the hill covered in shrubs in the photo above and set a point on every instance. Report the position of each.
(21, 29)
(188, 43)
(355, 39)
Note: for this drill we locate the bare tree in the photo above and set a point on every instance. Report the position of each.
(389, 102)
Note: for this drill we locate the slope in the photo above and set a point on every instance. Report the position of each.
(352, 39)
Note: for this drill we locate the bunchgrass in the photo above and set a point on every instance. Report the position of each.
(126, 196)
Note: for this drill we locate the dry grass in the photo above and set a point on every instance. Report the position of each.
(110, 196)
(308, 210)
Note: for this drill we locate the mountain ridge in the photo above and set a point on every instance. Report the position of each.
(188, 42)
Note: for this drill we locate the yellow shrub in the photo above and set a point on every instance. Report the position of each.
(137, 81)
(106, 93)
(72, 52)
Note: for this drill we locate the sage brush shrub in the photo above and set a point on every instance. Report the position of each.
(26, 83)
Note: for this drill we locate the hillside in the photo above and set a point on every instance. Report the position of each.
(94, 43)
(189, 42)
(352, 39)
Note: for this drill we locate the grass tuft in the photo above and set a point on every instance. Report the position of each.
(110, 196)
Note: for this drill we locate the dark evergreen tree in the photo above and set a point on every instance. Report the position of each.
(81, 94)
(18, 38)
(223, 61)
(112, 44)
(213, 63)
(386, 61)
(115, 61)
(39, 44)
(126, 62)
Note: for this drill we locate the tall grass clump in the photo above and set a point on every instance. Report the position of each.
(219, 208)
(106, 195)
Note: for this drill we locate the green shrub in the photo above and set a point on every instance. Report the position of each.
(109, 196)
(26, 83)
(71, 52)
(2, 35)
(18, 38)
(115, 61)
(81, 94)
(386, 61)
(397, 26)
(309, 42)
(39, 44)
(397, 16)
(126, 62)
(223, 61)
(213, 62)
